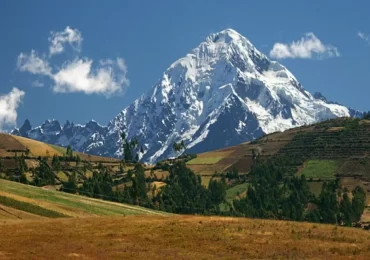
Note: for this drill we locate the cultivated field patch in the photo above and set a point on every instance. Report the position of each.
(30, 208)
(322, 169)
(236, 191)
(315, 187)
(205, 160)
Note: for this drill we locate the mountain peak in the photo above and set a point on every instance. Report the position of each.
(222, 93)
(25, 127)
(319, 95)
(226, 35)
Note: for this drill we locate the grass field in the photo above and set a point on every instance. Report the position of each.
(37, 148)
(205, 160)
(179, 237)
(62, 176)
(30, 208)
(60, 149)
(205, 180)
(323, 169)
(64, 203)
(233, 192)
(315, 187)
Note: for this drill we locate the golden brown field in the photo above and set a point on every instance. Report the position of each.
(37, 148)
(179, 237)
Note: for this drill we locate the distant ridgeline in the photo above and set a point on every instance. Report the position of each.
(307, 179)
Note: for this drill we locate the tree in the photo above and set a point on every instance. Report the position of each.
(358, 203)
(138, 188)
(128, 148)
(78, 159)
(178, 147)
(69, 152)
(233, 174)
(184, 192)
(217, 191)
(43, 174)
(55, 163)
(366, 115)
(328, 205)
(71, 185)
(121, 168)
(346, 210)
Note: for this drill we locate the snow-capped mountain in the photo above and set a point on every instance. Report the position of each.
(222, 93)
(53, 133)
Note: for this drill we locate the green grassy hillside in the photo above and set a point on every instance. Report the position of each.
(54, 204)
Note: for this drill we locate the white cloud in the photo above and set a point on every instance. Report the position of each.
(37, 83)
(32, 63)
(8, 107)
(365, 37)
(107, 77)
(58, 40)
(78, 76)
(308, 47)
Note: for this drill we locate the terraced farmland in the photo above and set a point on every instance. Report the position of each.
(335, 148)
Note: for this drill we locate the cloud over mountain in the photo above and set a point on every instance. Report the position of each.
(8, 107)
(308, 47)
(104, 77)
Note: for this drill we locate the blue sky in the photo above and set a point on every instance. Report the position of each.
(137, 40)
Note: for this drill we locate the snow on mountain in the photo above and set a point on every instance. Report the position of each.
(222, 93)
(53, 133)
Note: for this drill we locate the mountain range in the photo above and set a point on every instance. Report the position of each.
(222, 93)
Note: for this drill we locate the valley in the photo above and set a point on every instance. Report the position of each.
(227, 156)
(110, 208)
(332, 150)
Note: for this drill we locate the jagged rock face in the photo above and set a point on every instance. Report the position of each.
(53, 133)
(25, 128)
(222, 93)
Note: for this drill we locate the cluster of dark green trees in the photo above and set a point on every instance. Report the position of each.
(184, 193)
(129, 148)
(366, 115)
(335, 206)
(272, 194)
